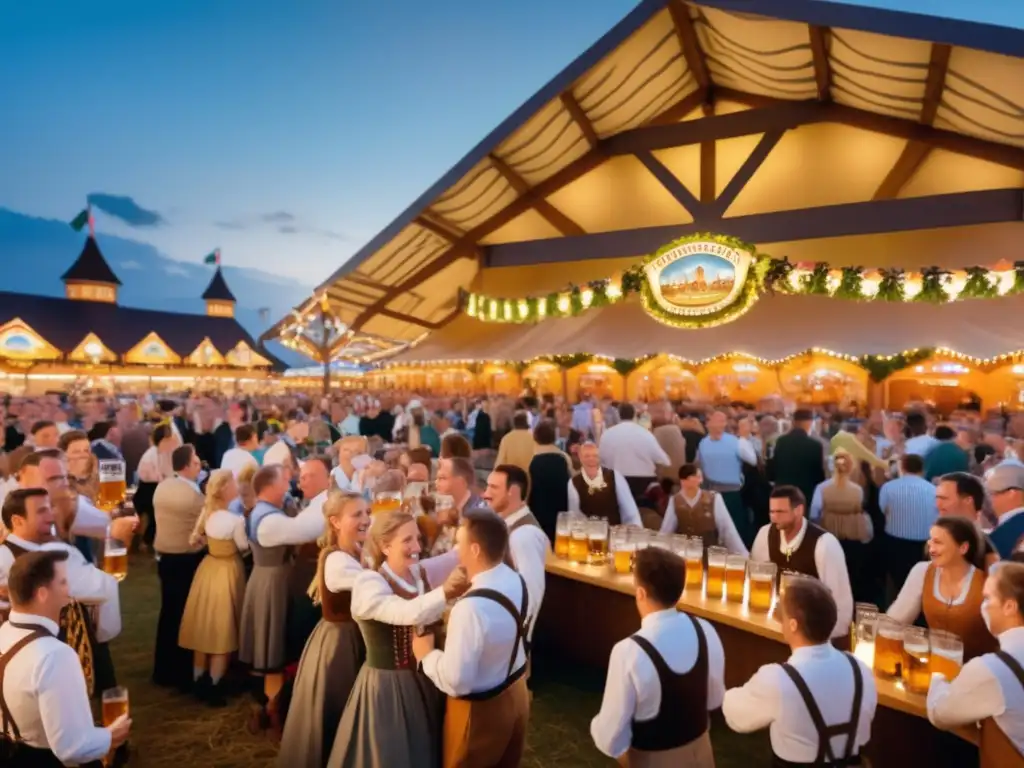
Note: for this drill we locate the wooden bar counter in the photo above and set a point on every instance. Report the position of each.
(588, 609)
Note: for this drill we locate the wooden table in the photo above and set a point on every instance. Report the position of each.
(588, 609)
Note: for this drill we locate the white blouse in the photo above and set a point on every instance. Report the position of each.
(907, 606)
(374, 599)
(340, 571)
(227, 526)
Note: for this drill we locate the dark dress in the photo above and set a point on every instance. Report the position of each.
(549, 489)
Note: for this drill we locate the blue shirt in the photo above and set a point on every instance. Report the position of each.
(909, 507)
(720, 459)
(261, 510)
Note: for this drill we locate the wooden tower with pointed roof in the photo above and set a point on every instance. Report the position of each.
(90, 278)
(220, 301)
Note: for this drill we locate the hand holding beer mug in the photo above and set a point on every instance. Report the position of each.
(115, 718)
(111, 495)
(447, 514)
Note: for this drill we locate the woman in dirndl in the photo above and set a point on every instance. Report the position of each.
(394, 714)
(209, 626)
(335, 651)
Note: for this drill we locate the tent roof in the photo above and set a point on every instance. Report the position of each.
(90, 266)
(878, 82)
(218, 289)
(775, 328)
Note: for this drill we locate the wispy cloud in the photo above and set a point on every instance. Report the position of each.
(126, 209)
(130, 264)
(230, 225)
(278, 217)
(283, 222)
(288, 229)
(174, 269)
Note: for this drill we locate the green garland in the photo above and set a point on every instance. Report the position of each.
(851, 284)
(881, 367)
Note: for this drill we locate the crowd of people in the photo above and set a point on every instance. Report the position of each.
(373, 565)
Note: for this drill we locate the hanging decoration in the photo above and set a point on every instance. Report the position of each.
(705, 280)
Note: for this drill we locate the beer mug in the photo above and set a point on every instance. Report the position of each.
(679, 543)
(865, 628)
(579, 543)
(115, 704)
(386, 501)
(115, 558)
(947, 653)
(916, 669)
(112, 484)
(762, 586)
(888, 647)
(562, 535)
(597, 541)
(622, 549)
(694, 555)
(735, 577)
(662, 541)
(716, 572)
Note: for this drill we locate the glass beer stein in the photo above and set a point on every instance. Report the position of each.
(622, 550)
(579, 543)
(762, 586)
(115, 558)
(562, 535)
(947, 653)
(716, 572)
(694, 555)
(390, 501)
(888, 647)
(112, 484)
(865, 628)
(916, 667)
(115, 704)
(735, 577)
(597, 541)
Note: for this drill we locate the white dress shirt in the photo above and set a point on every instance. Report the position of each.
(529, 546)
(480, 639)
(237, 459)
(45, 691)
(86, 583)
(280, 530)
(227, 526)
(632, 451)
(907, 606)
(771, 699)
(373, 599)
(984, 688)
(727, 533)
(628, 512)
(89, 521)
(346, 483)
(829, 559)
(633, 691)
(340, 571)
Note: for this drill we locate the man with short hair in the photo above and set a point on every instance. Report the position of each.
(240, 456)
(960, 494)
(721, 457)
(345, 475)
(483, 666)
(819, 705)
(42, 689)
(600, 492)
(799, 458)
(794, 543)
(177, 504)
(632, 451)
(456, 478)
(697, 512)
(664, 679)
(990, 688)
(908, 504)
(1005, 485)
(946, 456)
(528, 544)
(919, 442)
(517, 447)
(44, 435)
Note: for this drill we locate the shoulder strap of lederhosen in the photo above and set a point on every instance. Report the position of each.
(519, 617)
(660, 665)
(827, 732)
(1013, 664)
(9, 726)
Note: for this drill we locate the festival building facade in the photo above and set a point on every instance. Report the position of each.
(87, 339)
(823, 201)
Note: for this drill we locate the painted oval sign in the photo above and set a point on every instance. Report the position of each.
(698, 278)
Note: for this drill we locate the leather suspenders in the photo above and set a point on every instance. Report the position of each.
(826, 732)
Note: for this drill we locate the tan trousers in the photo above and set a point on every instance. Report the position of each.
(696, 754)
(487, 734)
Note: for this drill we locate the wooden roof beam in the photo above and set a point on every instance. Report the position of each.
(431, 326)
(436, 223)
(686, 33)
(822, 69)
(580, 118)
(552, 215)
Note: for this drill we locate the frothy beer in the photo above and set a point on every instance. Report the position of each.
(734, 578)
(115, 561)
(716, 578)
(115, 704)
(760, 593)
(113, 487)
(694, 573)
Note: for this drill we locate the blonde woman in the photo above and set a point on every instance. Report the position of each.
(838, 505)
(209, 626)
(394, 714)
(335, 651)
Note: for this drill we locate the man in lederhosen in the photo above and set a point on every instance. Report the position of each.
(698, 512)
(663, 680)
(821, 702)
(795, 544)
(990, 688)
(600, 492)
(483, 666)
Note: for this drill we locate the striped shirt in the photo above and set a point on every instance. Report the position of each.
(909, 507)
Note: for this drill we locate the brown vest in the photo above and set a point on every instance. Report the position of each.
(336, 606)
(698, 520)
(599, 503)
(997, 750)
(801, 560)
(962, 620)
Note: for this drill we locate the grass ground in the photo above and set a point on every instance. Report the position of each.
(174, 730)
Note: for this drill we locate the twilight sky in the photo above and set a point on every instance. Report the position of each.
(287, 134)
